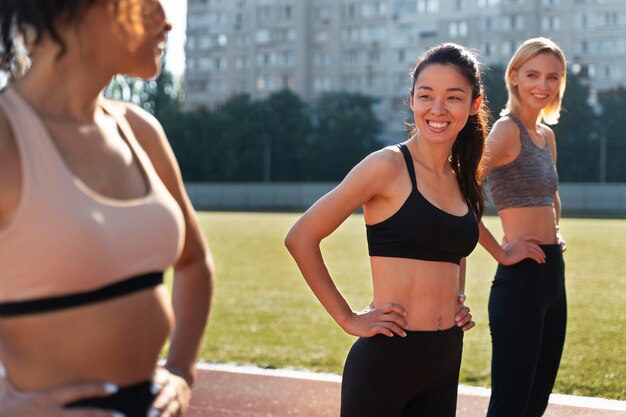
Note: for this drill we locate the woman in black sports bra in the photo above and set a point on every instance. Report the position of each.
(92, 212)
(421, 200)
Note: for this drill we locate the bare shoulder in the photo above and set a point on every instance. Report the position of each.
(10, 176)
(503, 144)
(145, 126)
(548, 132)
(151, 137)
(550, 137)
(504, 130)
(8, 147)
(382, 165)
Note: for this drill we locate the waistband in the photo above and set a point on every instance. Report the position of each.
(46, 304)
(420, 347)
(133, 400)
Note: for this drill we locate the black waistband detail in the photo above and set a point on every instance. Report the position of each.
(134, 400)
(41, 305)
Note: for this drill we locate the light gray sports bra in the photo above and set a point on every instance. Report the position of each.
(530, 180)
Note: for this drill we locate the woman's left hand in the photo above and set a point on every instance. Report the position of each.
(463, 318)
(561, 242)
(173, 395)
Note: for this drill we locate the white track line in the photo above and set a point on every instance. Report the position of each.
(559, 399)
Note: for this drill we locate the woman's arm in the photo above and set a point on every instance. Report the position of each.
(361, 185)
(193, 272)
(463, 318)
(556, 199)
(50, 403)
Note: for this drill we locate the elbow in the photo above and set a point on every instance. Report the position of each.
(290, 240)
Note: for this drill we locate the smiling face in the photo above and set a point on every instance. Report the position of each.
(441, 101)
(538, 80)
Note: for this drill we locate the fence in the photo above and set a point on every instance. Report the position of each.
(584, 199)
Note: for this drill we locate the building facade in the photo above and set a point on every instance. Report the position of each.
(368, 46)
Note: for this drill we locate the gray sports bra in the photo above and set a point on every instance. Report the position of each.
(530, 180)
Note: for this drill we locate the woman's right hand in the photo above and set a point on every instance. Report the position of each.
(522, 248)
(49, 403)
(388, 319)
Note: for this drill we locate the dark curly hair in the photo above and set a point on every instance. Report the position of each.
(468, 149)
(31, 20)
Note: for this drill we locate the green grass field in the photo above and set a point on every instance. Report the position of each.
(265, 315)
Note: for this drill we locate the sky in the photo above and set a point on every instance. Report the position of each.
(176, 11)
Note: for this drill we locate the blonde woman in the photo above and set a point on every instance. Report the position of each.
(521, 172)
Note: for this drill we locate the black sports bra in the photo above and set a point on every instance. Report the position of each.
(47, 304)
(420, 230)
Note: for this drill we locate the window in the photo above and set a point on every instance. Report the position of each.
(241, 63)
(321, 83)
(457, 29)
(287, 81)
(286, 59)
(321, 36)
(513, 22)
(242, 41)
(322, 14)
(551, 23)
(404, 7)
(427, 6)
(220, 63)
(487, 49)
(373, 56)
(263, 36)
(401, 55)
(488, 3)
(349, 11)
(196, 21)
(321, 60)
(610, 18)
(351, 57)
(507, 48)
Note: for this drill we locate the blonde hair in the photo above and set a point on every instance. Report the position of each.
(528, 50)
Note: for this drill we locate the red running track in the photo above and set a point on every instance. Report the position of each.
(237, 393)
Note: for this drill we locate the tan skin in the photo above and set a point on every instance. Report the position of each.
(525, 228)
(408, 294)
(49, 363)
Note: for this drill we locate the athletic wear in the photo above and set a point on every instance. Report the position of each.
(65, 239)
(117, 289)
(528, 181)
(133, 401)
(412, 376)
(420, 230)
(527, 317)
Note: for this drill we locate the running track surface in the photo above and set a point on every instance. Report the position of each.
(223, 391)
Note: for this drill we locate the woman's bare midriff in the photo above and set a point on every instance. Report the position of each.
(524, 221)
(117, 341)
(427, 290)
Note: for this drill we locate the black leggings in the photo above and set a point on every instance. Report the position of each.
(133, 400)
(527, 317)
(410, 376)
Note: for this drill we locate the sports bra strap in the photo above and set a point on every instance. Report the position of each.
(409, 163)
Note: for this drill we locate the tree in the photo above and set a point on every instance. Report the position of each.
(285, 134)
(345, 131)
(611, 123)
(160, 96)
(496, 93)
(578, 149)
